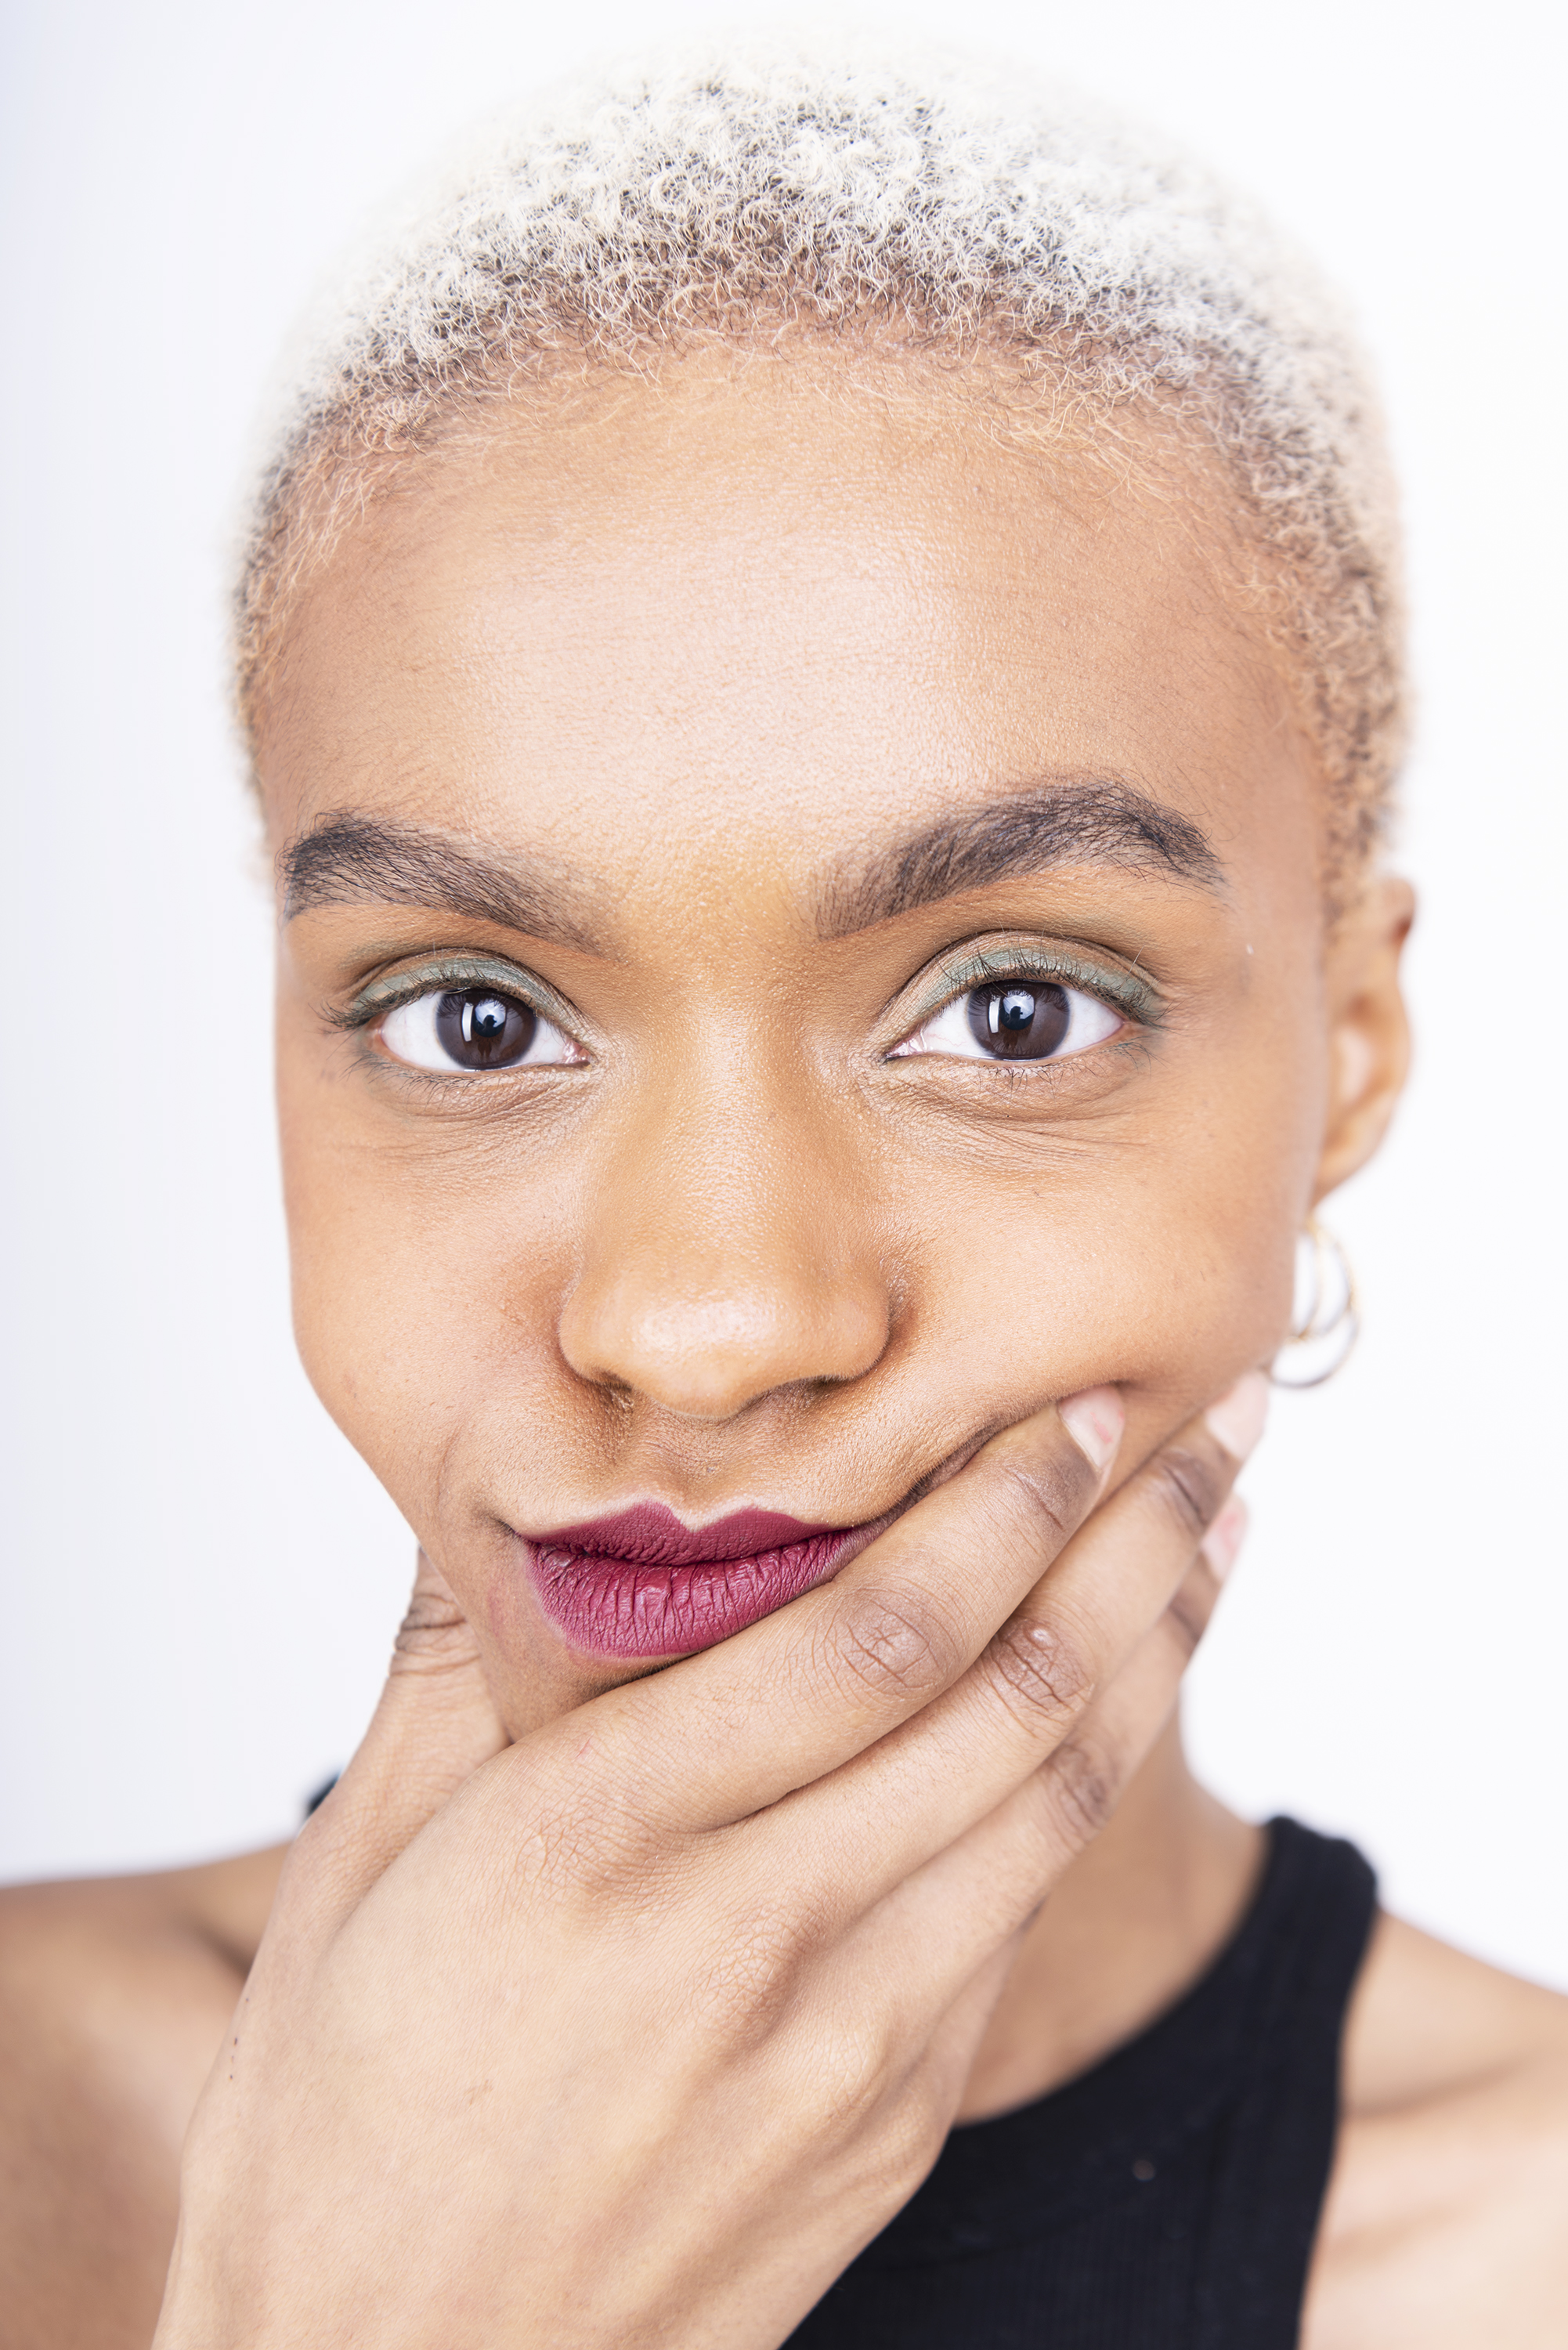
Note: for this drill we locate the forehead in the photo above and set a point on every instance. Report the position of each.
(780, 598)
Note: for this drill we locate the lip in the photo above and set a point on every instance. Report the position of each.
(640, 1583)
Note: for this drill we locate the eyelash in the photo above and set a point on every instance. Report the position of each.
(1127, 993)
(382, 997)
(378, 1002)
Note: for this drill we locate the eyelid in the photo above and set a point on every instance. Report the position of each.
(385, 994)
(1128, 992)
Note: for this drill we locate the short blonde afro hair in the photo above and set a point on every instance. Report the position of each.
(743, 188)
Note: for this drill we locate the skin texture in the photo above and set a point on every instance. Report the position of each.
(683, 663)
(845, 1269)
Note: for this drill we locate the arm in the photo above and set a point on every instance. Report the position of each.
(114, 1998)
(1444, 2224)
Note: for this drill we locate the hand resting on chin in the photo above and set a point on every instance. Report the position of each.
(637, 2030)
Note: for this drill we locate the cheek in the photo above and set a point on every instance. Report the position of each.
(1164, 1266)
(428, 1278)
(411, 1305)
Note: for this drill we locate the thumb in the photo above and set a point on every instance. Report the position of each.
(436, 1721)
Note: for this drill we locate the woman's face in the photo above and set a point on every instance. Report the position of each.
(801, 943)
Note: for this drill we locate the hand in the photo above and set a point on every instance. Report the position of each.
(636, 2031)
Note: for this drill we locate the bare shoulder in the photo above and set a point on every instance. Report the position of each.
(115, 1995)
(1444, 2223)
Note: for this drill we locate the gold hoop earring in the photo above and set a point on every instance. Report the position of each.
(1327, 1325)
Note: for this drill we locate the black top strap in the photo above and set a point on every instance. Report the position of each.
(1277, 2145)
(1169, 2199)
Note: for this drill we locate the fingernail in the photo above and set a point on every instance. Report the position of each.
(1223, 1540)
(1237, 1420)
(1095, 1422)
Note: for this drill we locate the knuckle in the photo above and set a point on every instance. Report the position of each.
(1188, 1486)
(856, 2069)
(750, 1981)
(579, 1842)
(1055, 1492)
(887, 1647)
(909, 2139)
(1041, 1673)
(1083, 1786)
(1188, 1613)
(875, 2103)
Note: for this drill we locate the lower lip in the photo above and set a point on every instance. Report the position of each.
(621, 1607)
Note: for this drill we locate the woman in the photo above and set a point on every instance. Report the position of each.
(822, 658)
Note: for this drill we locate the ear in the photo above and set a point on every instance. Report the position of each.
(1369, 1034)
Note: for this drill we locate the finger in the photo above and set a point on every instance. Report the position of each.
(434, 1725)
(969, 1901)
(881, 1815)
(723, 1734)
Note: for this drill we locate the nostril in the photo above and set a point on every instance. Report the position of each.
(712, 1356)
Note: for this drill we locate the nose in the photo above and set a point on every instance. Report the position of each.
(728, 1256)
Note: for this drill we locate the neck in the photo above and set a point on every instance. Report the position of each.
(1138, 1917)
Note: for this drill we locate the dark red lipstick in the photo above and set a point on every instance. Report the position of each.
(641, 1584)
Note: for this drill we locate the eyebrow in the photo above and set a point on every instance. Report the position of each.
(1062, 820)
(347, 859)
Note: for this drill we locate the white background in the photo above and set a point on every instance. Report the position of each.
(201, 1580)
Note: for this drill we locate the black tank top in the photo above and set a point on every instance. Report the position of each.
(1169, 2199)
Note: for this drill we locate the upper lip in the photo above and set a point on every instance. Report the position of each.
(650, 1534)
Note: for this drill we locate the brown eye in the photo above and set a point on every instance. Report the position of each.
(1019, 1023)
(474, 1031)
(479, 1029)
(1004, 1020)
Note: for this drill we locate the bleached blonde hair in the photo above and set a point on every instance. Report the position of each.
(958, 208)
